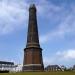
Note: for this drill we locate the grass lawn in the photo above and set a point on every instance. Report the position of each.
(40, 73)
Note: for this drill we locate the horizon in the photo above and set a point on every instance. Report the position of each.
(56, 26)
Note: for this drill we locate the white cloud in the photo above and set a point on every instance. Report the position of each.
(65, 27)
(51, 35)
(13, 15)
(66, 55)
(47, 9)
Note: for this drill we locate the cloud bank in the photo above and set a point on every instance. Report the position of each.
(13, 15)
(63, 19)
(67, 56)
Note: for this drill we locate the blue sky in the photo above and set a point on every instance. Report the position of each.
(56, 25)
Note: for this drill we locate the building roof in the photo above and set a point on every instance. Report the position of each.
(52, 66)
(5, 62)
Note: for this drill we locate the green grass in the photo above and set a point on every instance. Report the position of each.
(40, 73)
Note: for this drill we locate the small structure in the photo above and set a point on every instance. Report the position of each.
(6, 66)
(52, 68)
(18, 68)
(63, 68)
(73, 68)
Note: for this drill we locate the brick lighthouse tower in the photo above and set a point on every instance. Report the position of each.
(33, 53)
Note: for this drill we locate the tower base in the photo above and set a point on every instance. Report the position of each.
(33, 67)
